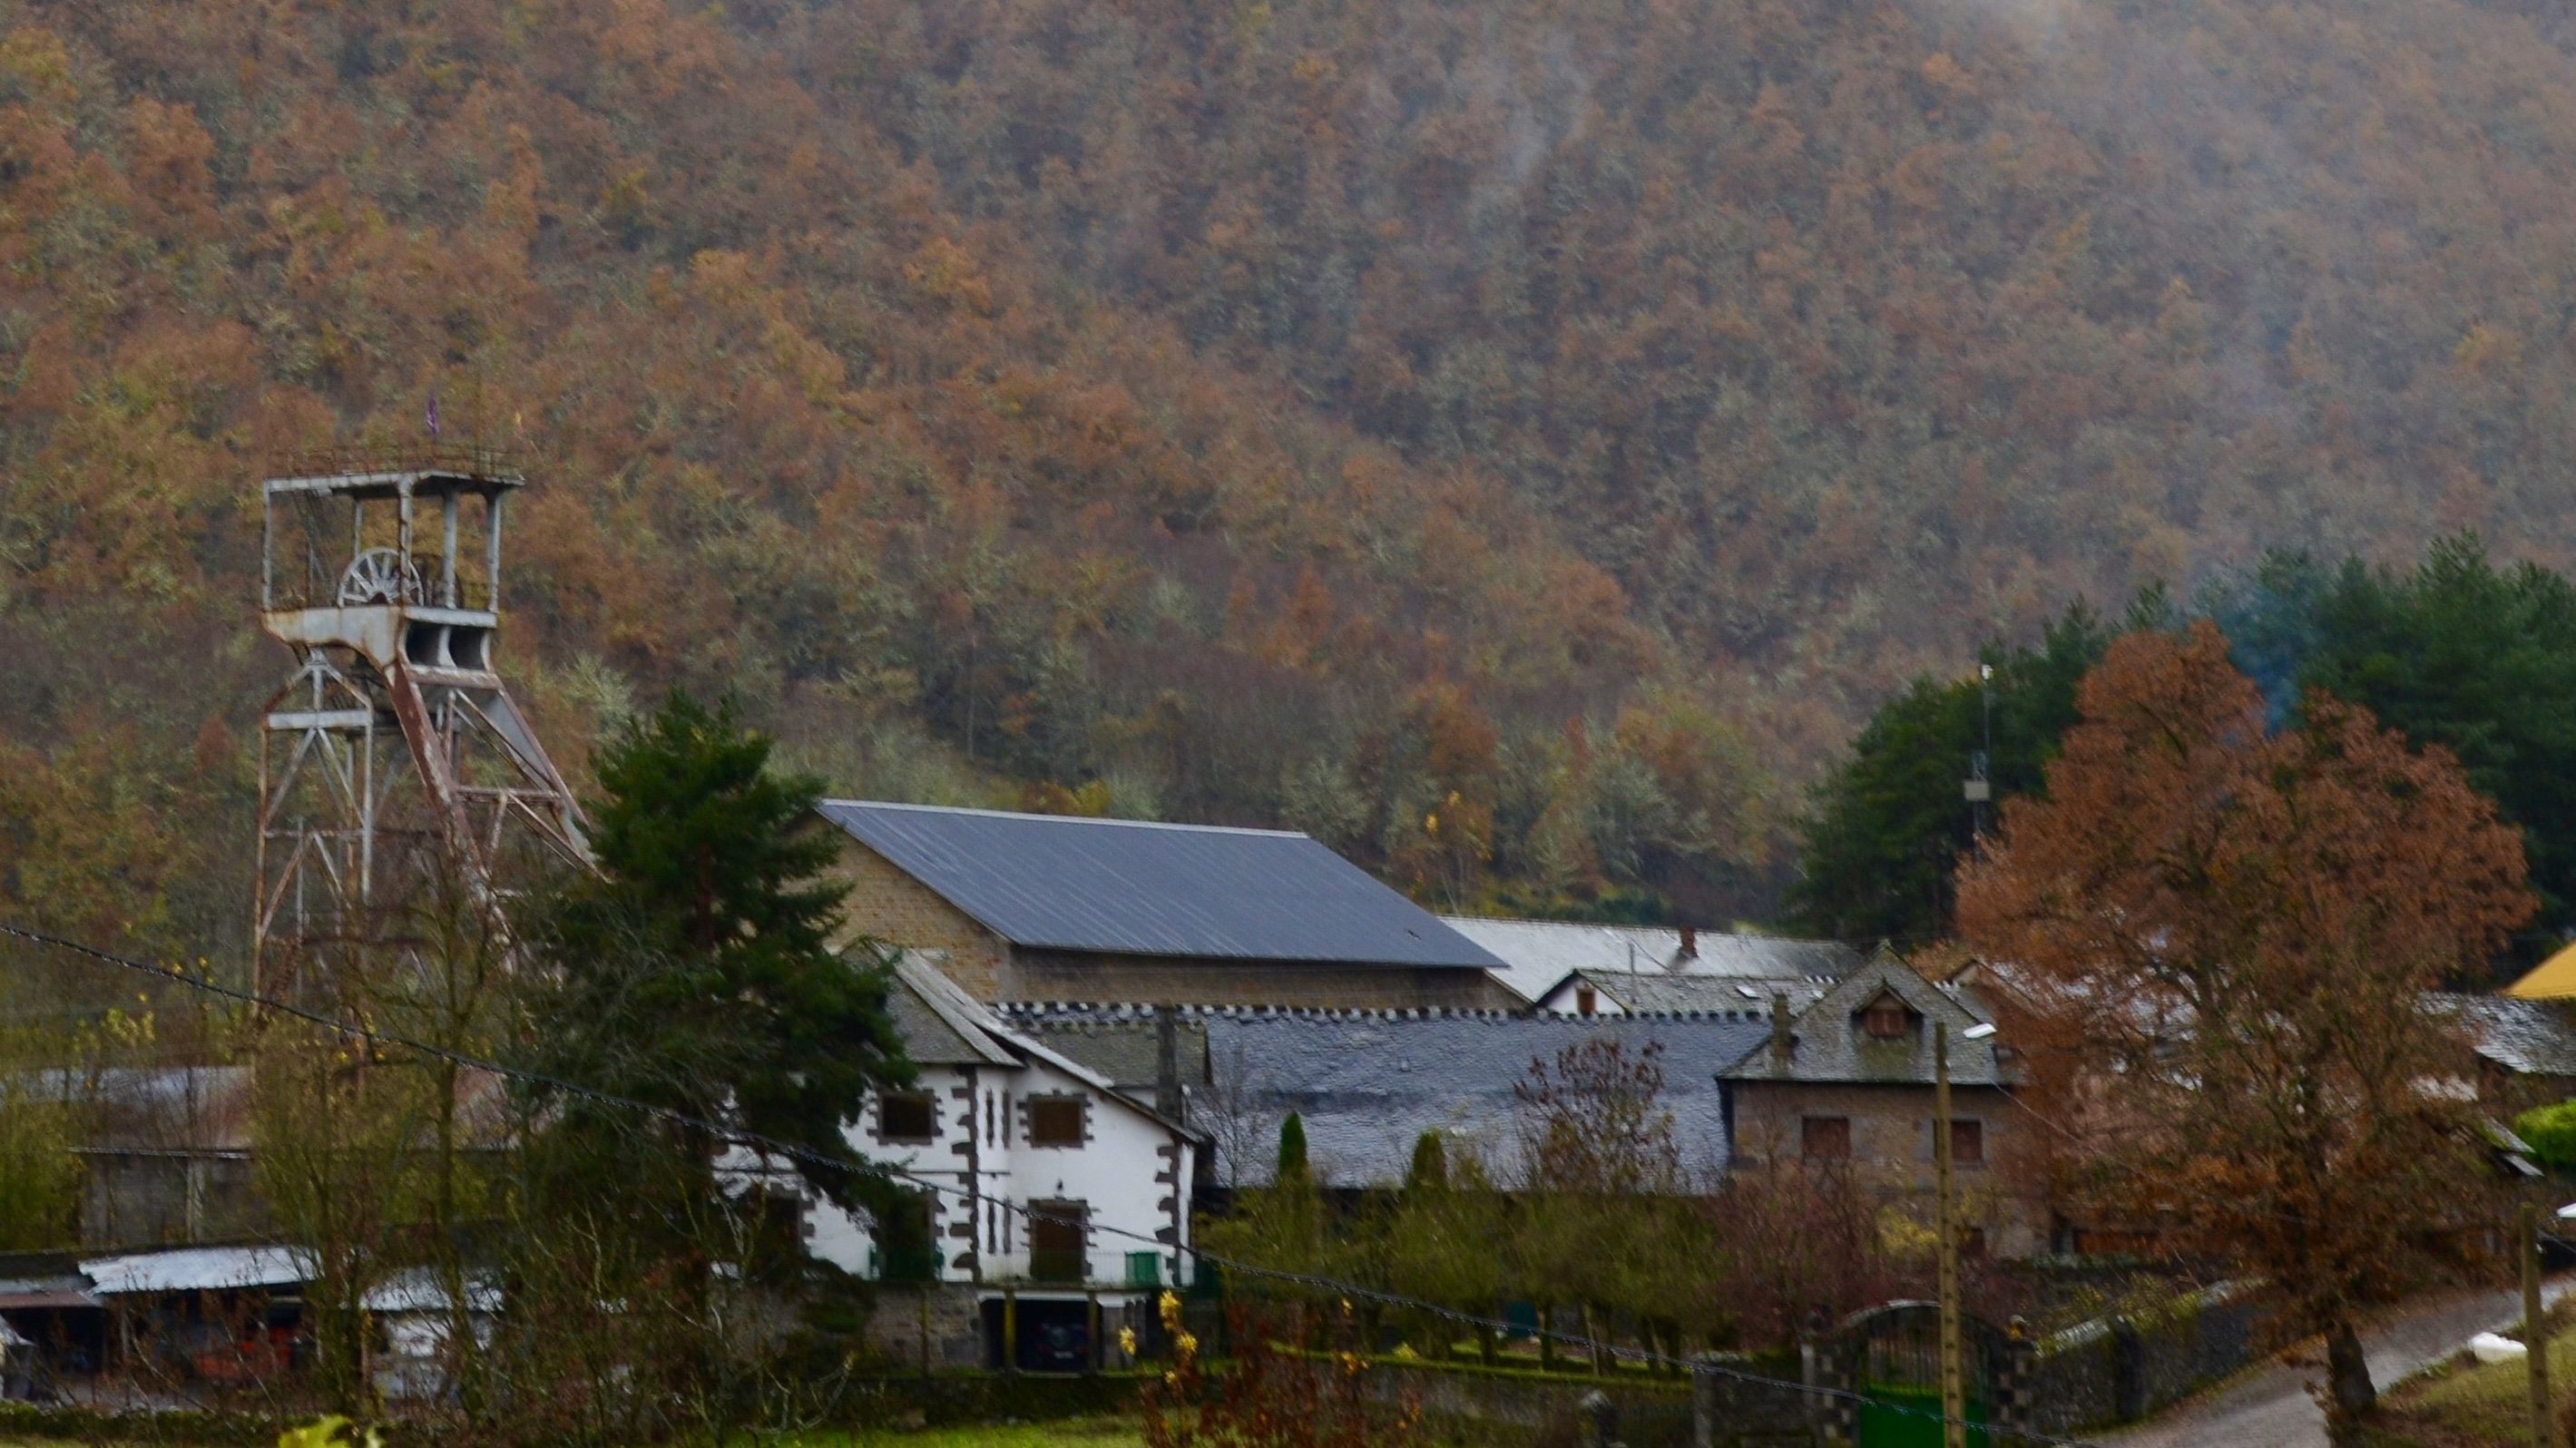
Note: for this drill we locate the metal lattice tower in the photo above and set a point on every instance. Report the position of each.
(393, 764)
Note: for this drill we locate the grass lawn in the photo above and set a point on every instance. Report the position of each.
(1072, 1432)
(2475, 1407)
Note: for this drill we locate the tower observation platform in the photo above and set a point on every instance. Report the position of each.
(395, 767)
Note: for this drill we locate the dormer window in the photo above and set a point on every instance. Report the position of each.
(1887, 1018)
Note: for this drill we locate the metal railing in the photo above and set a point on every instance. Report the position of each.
(462, 459)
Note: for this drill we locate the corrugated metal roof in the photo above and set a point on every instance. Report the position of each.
(1057, 882)
(54, 1290)
(1536, 954)
(422, 1289)
(200, 1269)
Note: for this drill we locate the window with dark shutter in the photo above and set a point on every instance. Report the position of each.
(1825, 1138)
(907, 1117)
(1057, 1235)
(1885, 1019)
(1968, 1143)
(906, 1247)
(1055, 1121)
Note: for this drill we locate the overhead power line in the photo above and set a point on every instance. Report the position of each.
(767, 1146)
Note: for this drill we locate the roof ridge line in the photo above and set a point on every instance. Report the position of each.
(1014, 814)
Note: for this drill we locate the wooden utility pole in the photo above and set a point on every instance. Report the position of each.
(1954, 1398)
(2535, 1337)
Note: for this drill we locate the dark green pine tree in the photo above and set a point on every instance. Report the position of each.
(1885, 830)
(1430, 1168)
(1292, 1150)
(2480, 660)
(696, 970)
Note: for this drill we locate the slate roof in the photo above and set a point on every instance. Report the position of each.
(934, 1029)
(962, 1031)
(1058, 882)
(199, 1269)
(1537, 954)
(1126, 1049)
(1367, 1084)
(1685, 994)
(1831, 1047)
(2527, 1037)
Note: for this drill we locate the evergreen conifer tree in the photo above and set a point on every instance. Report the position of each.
(1292, 1150)
(1430, 1166)
(696, 969)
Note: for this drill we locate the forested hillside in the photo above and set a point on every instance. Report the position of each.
(1840, 330)
(1517, 442)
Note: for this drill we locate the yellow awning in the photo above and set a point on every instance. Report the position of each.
(2552, 979)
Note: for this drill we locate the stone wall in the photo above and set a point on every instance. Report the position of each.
(941, 1322)
(1651, 1414)
(1740, 1413)
(2121, 1369)
(1891, 1147)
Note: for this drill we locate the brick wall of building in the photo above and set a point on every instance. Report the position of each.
(892, 906)
(1891, 1148)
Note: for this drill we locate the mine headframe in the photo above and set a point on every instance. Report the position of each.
(394, 766)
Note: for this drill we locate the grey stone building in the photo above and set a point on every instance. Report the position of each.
(1058, 908)
(1844, 1084)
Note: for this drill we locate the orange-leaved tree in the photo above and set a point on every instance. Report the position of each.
(2220, 936)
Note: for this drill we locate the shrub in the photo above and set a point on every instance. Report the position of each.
(2551, 1130)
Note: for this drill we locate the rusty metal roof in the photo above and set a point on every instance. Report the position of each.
(1125, 887)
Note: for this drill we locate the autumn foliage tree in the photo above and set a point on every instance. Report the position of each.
(2221, 936)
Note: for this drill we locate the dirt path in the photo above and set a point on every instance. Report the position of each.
(2271, 1407)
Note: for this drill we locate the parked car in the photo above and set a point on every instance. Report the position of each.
(1058, 1347)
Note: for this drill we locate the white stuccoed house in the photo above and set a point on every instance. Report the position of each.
(1004, 1126)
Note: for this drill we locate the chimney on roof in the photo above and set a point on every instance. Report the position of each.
(1168, 1097)
(1784, 1046)
(1690, 942)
